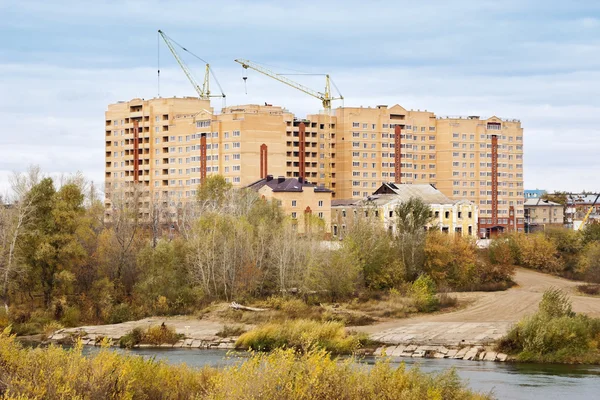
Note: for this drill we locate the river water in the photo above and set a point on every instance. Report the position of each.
(504, 380)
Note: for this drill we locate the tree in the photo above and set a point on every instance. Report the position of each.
(589, 263)
(14, 217)
(451, 260)
(122, 240)
(51, 244)
(213, 192)
(412, 219)
(590, 233)
(374, 249)
(335, 272)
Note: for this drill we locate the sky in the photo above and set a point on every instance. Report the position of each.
(63, 62)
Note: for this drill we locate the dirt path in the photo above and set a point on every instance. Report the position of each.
(485, 320)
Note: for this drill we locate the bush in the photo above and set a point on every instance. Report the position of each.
(592, 290)
(423, 295)
(132, 338)
(161, 334)
(555, 304)
(71, 316)
(50, 328)
(301, 335)
(281, 374)
(554, 334)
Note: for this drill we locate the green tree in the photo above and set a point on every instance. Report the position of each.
(212, 192)
(412, 218)
(51, 244)
(374, 249)
(591, 233)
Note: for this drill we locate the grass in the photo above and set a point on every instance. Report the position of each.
(231, 330)
(55, 373)
(301, 335)
(554, 334)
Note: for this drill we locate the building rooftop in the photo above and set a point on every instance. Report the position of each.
(428, 193)
(583, 198)
(282, 184)
(539, 202)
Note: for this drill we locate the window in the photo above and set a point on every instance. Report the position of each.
(293, 203)
(320, 203)
(236, 133)
(294, 215)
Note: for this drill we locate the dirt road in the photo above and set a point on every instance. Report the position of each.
(487, 318)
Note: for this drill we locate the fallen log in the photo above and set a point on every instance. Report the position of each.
(237, 306)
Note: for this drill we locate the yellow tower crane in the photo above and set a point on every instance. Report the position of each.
(325, 97)
(204, 91)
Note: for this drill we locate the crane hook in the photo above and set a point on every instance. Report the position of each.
(245, 78)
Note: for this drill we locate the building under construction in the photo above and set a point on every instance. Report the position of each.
(168, 145)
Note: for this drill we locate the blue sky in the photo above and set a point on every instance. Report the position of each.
(62, 62)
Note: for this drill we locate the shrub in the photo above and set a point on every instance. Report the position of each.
(555, 303)
(301, 335)
(132, 338)
(50, 328)
(161, 334)
(71, 316)
(422, 293)
(554, 334)
(282, 374)
(592, 290)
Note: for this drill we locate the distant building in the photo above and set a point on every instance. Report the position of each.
(533, 194)
(541, 213)
(578, 204)
(298, 200)
(459, 217)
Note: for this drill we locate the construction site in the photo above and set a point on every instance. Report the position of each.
(169, 145)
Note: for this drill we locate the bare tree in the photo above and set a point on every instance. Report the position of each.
(14, 215)
(123, 236)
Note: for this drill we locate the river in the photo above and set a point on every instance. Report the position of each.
(505, 380)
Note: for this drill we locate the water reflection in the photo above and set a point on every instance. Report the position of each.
(504, 380)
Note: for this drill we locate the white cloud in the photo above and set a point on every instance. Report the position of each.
(449, 57)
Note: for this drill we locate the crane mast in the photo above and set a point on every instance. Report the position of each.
(204, 91)
(325, 97)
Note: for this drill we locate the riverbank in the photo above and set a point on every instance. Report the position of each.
(467, 353)
(197, 334)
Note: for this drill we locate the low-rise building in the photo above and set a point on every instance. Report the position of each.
(539, 213)
(301, 201)
(533, 193)
(459, 217)
(578, 206)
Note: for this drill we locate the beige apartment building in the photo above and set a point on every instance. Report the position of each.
(458, 217)
(307, 205)
(540, 213)
(168, 145)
